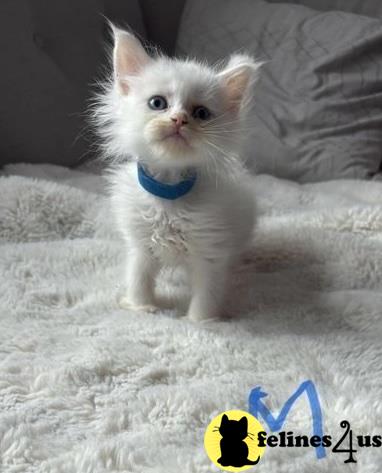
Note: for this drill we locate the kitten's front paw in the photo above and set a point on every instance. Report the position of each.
(199, 317)
(124, 303)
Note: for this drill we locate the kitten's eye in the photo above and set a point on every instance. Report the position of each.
(157, 102)
(201, 113)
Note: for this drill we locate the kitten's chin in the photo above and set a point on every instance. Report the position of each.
(174, 150)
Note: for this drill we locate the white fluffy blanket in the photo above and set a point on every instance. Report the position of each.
(88, 388)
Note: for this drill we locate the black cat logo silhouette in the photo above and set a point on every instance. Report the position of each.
(231, 441)
(234, 451)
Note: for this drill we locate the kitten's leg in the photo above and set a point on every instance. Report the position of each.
(140, 279)
(208, 287)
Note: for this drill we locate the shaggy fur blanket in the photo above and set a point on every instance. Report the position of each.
(86, 387)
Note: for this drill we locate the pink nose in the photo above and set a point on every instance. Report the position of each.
(179, 119)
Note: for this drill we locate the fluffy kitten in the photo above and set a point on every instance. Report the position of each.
(177, 117)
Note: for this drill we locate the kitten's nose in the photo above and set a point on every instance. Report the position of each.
(179, 119)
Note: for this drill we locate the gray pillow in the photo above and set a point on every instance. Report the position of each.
(371, 8)
(318, 104)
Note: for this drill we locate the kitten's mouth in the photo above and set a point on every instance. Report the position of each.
(177, 137)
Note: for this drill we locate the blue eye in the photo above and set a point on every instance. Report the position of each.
(157, 102)
(201, 113)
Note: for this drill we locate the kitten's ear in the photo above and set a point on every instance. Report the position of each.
(244, 423)
(237, 79)
(129, 57)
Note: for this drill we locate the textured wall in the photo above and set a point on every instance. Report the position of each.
(162, 20)
(51, 52)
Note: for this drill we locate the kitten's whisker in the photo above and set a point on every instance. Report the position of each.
(212, 145)
(211, 165)
(221, 117)
(229, 130)
(219, 121)
(225, 130)
(209, 124)
(224, 154)
(223, 161)
(218, 117)
(208, 165)
(222, 134)
(220, 125)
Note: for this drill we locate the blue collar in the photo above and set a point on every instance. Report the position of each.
(165, 191)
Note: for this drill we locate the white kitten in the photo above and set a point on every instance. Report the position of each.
(182, 121)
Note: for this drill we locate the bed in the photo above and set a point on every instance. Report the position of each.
(86, 387)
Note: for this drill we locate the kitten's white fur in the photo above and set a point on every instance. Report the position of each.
(210, 226)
